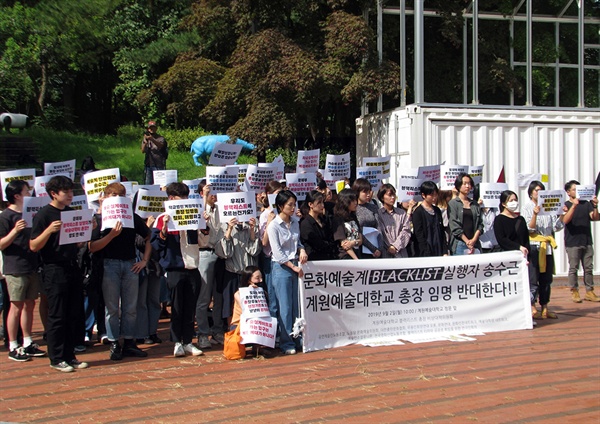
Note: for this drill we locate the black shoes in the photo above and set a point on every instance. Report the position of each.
(152, 339)
(115, 351)
(130, 349)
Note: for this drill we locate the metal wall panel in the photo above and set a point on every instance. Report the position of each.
(565, 144)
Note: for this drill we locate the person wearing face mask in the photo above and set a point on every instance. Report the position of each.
(512, 233)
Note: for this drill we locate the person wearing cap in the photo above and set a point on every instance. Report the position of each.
(154, 146)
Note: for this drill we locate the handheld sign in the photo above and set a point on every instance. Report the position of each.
(27, 175)
(222, 179)
(193, 186)
(79, 202)
(489, 193)
(114, 209)
(240, 205)
(551, 202)
(338, 166)
(448, 174)
(185, 214)
(476, 172)
(258, 177)
(308, 161)
(150, 203)
(384, 162)
(95, 182)
(430, 173)
(585, 192)
(225, 154)
(260, 331)
(76, 226)
(254, 302)
(373, 174)
(409, 189)
(164, 177)
(57, 168)
(31, 206)
(301, 184)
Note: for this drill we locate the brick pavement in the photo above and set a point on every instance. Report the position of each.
(549, 374)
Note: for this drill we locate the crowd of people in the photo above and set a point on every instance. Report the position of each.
(114, 284)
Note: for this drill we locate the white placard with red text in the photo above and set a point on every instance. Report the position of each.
(185, 214)
(31, 206)
(27, 175)
(114, 209)
(338, 166)
(257, 177)
(240, 205)
(95, 182)
(308, 161)
(254, 302)
(260, 331)
(301, 184)
(40, 184)
(76, 226)
(58, 168)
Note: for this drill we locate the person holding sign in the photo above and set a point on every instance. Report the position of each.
(315, 230)
(120, 282)
(541, 240)
(464, 216)
(366, 213)
(394, 224)
(346, 229)
(512, 234)
(154, 146)
(284, 236)
(428, 224)
(578, 241)
(179, 257)
(62, 280)
(20, 270)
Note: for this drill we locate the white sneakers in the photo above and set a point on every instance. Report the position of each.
(181, 350)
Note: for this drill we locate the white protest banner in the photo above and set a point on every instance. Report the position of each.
(222, 179)
(551, 202)
(279, 163)
(409, 189)
(448, 174)
(308, 161)
(31, 206)
(258, 177)
(338, 166)
(27, 175)
(490, 193)
(240, 205)
(59, 168)
(95, 182)
(150, 203)
(301, 184)
(40, 184)
(476, 172)
(76, 226)
(328, 179)
(523, 180)
(430, 173)
(410, 174)
(260, 331)
(384, 162)
(130, 188)
(163, 178)
(79, 202)
(114, 209)
(373, 174)
(193, 186)
(345, 303)
(585, 192)
(242, 169)
(185, 214)
(254, 302)
(224, 154)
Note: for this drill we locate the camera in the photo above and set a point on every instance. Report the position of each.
(147, 132)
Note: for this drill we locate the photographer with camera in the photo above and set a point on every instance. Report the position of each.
(154, 146)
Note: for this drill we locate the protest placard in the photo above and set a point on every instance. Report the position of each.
(279, 165)
(258, 177)
(163, 178)
(551, 202)
(329, 180)
(76, 226)
(308, 161)
(114, 209)
(27, 175)
(79, 202)
(430, 173)
(95, 182)
(338, 166)
(384, 162)
(523, 180)
(150, 202)
(31, 206)
(222, 179)
(372, 235)
(185, 214)
(40, 184)
(373, 174)
(240, 205)
(60, 168)
(448, 174)
(345, 303)
(193, 186)
(272, 198)
(409, 174)
(490, 193)
(476, 172)
(242, 169)
(585, 192)
(301, 184)
(254, 302)
(261, 331)
(224, 154)
(409, 189)
(340, 185)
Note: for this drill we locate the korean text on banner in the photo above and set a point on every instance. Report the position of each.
(95, 182)
(345, 303)
(301, 184)
(308, 161)
(76, 226)
(55, 168)
(241, 205)
(185, 214)
(551, 202)
(224, 154)
(489, 193)
(31, 206)
(115, 209)
(338, 166)
(384, 162)
(222, 179)
(150, 203)
(27, 175)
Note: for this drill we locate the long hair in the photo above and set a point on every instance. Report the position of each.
(311, 197)
(504, 196)
(342, 207)
(247, 275)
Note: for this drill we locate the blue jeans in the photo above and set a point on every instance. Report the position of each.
(120, 285)
(267, 270)
(461, 246)
(285, 283)
(149, 174)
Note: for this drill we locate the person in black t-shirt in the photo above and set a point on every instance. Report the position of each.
(61, 277)
(578, 241)
(120, 282)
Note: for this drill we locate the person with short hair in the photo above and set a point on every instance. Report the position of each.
(20, 270)
(578, 241)
(428, 224)
(62, 278)
(156, 151)
(464, 216)
(394, 224)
